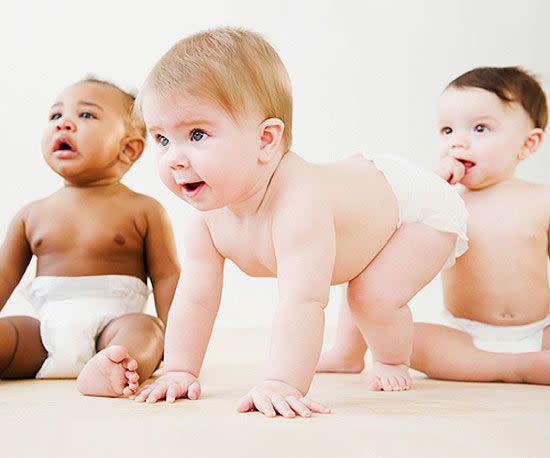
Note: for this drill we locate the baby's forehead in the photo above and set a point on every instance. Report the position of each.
(185, 107)
(473, 102)
(102, 95)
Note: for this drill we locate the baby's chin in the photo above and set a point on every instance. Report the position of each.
(476, 185)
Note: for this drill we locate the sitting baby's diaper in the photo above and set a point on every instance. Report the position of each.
(74, 310)
(501, 339)
(424, 197)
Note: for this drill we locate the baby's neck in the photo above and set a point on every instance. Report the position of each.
(103, 183)
(495, 186)
(258, 194)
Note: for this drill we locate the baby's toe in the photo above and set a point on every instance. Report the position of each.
(130, 364)
(374, 384)
(132, 376)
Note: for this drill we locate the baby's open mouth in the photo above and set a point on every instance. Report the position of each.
(467, 164)
(190, 187)
(62, 144)
(65, 146)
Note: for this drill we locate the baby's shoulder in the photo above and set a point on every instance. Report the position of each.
(141, 202)
(38, 206)
(536, 191)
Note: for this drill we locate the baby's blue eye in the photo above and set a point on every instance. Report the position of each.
(55, 116)
(87, 115)
(197, 135)
(480, 128)
(162, 140)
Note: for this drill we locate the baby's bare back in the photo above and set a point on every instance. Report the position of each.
(361, 205)
(89, 231)
(503, 277)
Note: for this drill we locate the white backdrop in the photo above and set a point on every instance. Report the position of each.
(366, 76)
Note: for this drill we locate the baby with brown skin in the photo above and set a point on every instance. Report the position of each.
(96, 243)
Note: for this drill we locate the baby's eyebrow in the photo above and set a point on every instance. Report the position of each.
(84, 102)
(191, 121)
(80, 102)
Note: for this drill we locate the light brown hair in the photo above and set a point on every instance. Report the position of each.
(235, 68)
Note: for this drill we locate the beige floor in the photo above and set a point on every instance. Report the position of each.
(49, 418)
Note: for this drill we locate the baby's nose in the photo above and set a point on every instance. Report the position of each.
(459, 143)
(177, 160)
(65, 124)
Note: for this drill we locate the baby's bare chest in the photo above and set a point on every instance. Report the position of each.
(249, 246)
(92, 229)
(507, 224)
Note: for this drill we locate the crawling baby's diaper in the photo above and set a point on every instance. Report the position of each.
(74, 310)
(501, 339)
(424, 197)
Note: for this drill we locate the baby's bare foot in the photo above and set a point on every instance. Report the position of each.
(333, 361)
(388, 377)
(111, 372)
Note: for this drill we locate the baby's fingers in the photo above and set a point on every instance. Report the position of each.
(458, 172)
(264, 405)
(315, 406)
(299, 407)
(175, 391)
(157, 393)
(282, 407)
(245, 404)
(194, 391)
(142, 393)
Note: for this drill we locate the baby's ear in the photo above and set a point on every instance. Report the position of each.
(271, 136)
(132, 149)
(531, 143)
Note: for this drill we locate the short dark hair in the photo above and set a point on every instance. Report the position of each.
(509, 84)
(135, 125)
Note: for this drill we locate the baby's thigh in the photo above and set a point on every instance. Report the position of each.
(413, 256)
(21, 350)
(546, 338)
(133, 326)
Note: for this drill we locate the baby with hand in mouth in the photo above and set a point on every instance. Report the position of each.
(497, 296)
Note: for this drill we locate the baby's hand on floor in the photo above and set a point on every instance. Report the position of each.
(170, 386)
(450, 169)
(273, 397)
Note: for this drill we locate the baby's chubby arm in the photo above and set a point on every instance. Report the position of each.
(161, 256)
(15, 255)
(304, 243)
(191, 317)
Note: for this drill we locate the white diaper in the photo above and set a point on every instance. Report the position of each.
(74, 310)
(501, 339)
(424, 197)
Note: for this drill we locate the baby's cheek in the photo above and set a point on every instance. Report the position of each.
(166, 178)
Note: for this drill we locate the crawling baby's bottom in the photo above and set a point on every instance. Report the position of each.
(430, 235)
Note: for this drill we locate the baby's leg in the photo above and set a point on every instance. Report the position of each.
(348, 353)
(21, 350)
(129, 350)
(378, 298)
(448, 354)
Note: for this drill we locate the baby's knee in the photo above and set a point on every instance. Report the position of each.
(145, 324)
(8, 344)
(376, 305)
